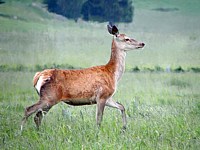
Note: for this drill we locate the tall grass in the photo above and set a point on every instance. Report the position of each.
(162, 110)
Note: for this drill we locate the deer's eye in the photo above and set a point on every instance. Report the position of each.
(126, 39)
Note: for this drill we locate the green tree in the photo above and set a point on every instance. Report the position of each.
(108, 10)
(1, 2)
(95, 10)
(68, 8)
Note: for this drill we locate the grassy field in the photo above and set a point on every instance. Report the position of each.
(163, 108)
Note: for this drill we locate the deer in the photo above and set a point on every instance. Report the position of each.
(94, 85)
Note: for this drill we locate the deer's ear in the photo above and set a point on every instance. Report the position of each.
(115, 31)
(112, 29)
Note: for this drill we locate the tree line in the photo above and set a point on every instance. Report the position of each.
(94, 10)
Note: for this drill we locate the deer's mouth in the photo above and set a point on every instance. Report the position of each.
(140, 45)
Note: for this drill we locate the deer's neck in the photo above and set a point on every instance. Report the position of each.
(116, 63)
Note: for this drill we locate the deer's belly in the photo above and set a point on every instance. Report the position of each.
(77, 102)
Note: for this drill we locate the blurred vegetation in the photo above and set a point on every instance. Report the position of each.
(68, 8)
(94, 10)
(1, 1)
(39, 67)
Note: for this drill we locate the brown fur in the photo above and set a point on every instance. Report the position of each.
(77, 87)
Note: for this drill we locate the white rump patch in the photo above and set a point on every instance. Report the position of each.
(41, 81)
(39, 84)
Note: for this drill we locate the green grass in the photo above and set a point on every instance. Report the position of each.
(163, 109)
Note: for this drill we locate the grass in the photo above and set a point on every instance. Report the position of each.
(163, 108)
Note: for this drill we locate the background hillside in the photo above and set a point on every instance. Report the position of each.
(172, 37)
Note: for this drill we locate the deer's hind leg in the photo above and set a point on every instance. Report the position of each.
(30, 110)
(39, 115)
(41, 105)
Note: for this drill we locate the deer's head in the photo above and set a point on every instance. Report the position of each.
(122, 41)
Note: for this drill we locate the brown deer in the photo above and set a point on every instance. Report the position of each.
(95, 85)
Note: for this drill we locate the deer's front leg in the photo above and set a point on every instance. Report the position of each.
(99, 111)
(111, 103)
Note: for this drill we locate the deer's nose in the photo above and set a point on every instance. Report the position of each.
(142, 44)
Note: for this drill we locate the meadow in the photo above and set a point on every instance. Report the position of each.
(162, 107)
